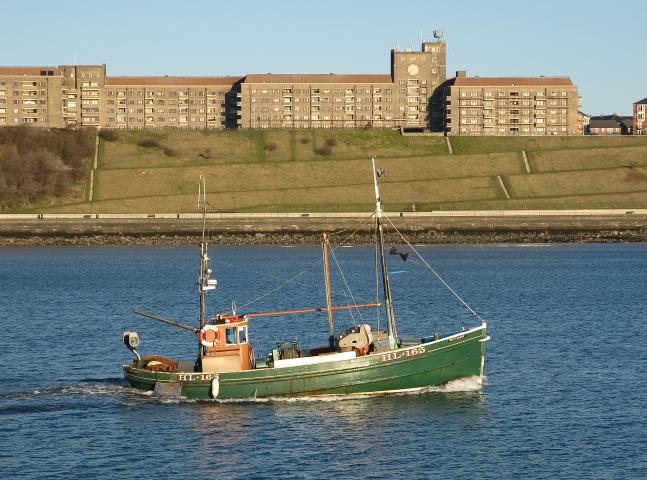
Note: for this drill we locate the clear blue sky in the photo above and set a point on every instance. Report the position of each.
(599, 44)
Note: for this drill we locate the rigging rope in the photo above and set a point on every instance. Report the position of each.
(268, 293)
(354, 231)
(347, 288)
(434, 272)
(259, 272)
(289, 280)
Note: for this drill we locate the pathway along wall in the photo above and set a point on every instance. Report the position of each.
(436, 227)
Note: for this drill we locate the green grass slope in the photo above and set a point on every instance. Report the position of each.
(329, 171)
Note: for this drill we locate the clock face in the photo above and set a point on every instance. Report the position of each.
(412, 69)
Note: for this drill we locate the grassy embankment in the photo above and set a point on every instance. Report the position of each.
(328, 171)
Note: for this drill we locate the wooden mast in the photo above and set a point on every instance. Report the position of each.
(329, 309)
(388, 303)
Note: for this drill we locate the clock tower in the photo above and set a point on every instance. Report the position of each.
(416, 75)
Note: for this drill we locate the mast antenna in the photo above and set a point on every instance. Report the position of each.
(205, 283)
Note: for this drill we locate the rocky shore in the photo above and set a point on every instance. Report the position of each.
(307, 230)
(312, 238)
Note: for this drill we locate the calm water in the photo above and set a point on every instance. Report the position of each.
(565, 394)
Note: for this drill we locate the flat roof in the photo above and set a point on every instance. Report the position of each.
(513, 81)
(170, 81)
(309, 78)
(29, 71)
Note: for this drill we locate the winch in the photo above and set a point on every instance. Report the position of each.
(358, 337)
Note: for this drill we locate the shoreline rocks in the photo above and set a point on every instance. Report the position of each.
(313, 238)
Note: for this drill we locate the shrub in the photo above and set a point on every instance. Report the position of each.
(149, 143)
(36, 163)
(324, 150)
(205, 154)
(169, 152)
(270, 146)
(109, 135)
(31, 176)
(305, 140)
(330, 142)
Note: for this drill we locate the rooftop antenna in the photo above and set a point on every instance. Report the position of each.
(422, 39)
(75, 57)
(438, 34)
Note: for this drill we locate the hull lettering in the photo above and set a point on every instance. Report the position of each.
(409, 352)
(194, 377)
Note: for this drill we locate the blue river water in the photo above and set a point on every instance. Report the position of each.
(565, 392)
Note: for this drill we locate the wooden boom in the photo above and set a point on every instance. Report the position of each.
(311, 310)
(165, 320)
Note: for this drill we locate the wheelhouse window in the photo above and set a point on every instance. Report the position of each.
(242, 334)
(230, 336)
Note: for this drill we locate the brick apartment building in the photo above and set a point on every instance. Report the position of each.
(512, 106)
(639, 117)
(415, 95)
(401, 99)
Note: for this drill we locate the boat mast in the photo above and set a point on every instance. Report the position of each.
(388, 303)
(204, 268)
(324, 249)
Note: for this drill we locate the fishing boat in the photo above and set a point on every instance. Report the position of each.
(357, 360)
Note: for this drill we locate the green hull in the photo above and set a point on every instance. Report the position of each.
(433, 363)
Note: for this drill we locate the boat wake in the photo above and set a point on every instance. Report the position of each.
(461, 385)
(82, 396)
(87, 387)
(116, 386)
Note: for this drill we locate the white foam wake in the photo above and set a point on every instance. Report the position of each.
(467, 384)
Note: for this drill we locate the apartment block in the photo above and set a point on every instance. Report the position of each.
(399, 100)
(169, 103)
(317, 101)
(414, 95)
(83, 89)
(31, 96)
(639, 117)
(511, 106)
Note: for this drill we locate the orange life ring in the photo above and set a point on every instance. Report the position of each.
(209, 336)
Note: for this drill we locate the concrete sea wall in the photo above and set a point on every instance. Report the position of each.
(500, 226)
